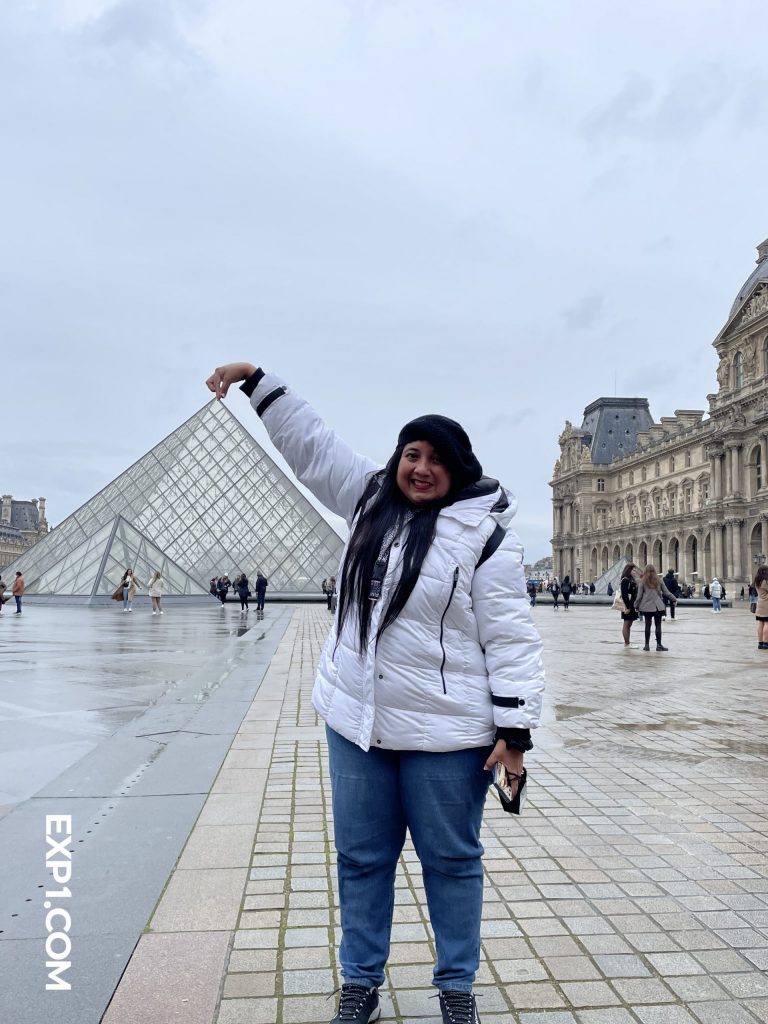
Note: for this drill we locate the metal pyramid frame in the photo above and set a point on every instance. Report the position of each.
(209, 500)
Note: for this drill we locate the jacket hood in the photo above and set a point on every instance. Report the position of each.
(486, 497)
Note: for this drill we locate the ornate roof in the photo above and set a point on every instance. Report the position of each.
(760, 273)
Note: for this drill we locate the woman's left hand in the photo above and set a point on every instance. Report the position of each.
(511, 759)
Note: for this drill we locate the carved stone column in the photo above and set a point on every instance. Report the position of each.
(717, 549)
(728, 548)
(764, 534)
(736, 560)
(764, 459)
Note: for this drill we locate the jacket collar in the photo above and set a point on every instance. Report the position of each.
(486, 497)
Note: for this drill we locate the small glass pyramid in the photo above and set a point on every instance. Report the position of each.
(208, 500)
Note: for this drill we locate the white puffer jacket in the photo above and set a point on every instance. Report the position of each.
(463, 656)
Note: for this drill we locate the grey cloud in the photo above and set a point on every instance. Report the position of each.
(509, 420)
(683, 109)
(584, 313)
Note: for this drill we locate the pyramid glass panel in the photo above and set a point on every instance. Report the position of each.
(209, 500)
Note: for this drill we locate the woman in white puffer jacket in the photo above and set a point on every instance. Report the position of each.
(432, 673)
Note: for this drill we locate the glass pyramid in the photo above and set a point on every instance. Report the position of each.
(97, 565)
(210, 501)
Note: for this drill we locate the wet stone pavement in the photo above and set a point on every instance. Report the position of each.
(633, 889)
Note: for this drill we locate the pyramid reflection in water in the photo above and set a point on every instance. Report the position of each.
(206, 500)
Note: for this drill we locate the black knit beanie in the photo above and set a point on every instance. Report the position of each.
(450, 441)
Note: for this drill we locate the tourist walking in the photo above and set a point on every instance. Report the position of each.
(651, 592)
(670, 582)
(3, 598)
(566, 591)
(126, 590)
(753, 598)
(17, 589)
(761, 606)
(243, 588)
(716, 592)
(332, 597)
(628, 595)
(156, 592)
(555, 591)
(432, 672)
(222, 588)
(532, 593)
(261, 593)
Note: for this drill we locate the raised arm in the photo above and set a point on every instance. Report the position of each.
(332, 471)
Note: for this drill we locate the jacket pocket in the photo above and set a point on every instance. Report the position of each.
(442, 624)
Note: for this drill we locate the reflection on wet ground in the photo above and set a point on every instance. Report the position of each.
(71, 676)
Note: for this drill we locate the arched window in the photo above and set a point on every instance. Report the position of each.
(644, 473)
(601, 484)
(737, 376)
(657, 469)
(688, 459)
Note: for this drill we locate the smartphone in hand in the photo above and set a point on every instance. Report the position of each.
(512, 802)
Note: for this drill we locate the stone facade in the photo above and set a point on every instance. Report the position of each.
(22, 524)
(688, 493)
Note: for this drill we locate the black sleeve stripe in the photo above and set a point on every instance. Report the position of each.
(251, 383)
(265, 403)
(507, 702)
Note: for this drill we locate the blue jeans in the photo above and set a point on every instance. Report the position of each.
(18, 603)
(715, 604)
(126, 601)
(439, 798)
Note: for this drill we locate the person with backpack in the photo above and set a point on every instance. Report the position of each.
(716, 592)
(651, 593)
(430, 677)
(555, 591)
(566, 591)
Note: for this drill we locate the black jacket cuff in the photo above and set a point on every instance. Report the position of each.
(516, 739)
(250, 384)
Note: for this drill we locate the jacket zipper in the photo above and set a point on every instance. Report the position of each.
(442, 622)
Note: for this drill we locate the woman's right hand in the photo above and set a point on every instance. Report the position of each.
(223, 376)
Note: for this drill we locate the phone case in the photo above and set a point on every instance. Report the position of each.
(511, 804)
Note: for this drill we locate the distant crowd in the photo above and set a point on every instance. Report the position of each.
(220, 587)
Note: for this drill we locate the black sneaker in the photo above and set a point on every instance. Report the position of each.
(458, 1007)
(358, 1005)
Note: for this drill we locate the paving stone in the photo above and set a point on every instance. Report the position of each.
(572, 968)
(307, 982)
(589, 993)
(745, 986)
(534, 995)
(247, 1011)
(718, 1013)
(621, 966)
(664, 1015)
(246, 984)
(610, 1015)
(697, 988)
(252, 960)
(674, 963)
(643, 990)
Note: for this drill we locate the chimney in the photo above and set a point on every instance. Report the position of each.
(5, 509)
(762, 251)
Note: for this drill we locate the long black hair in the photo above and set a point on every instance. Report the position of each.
(386, 510)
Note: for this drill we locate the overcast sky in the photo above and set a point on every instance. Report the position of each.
(482, 208)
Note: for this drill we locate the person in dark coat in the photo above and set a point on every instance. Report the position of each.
(243, 591)
(670, 582)
(628, 596)
(566, 590)
(555, 591)
(261, 590)
(222, 588)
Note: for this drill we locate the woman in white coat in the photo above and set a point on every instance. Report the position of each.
(431, 675)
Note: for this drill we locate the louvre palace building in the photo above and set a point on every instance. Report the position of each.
(688, 493)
